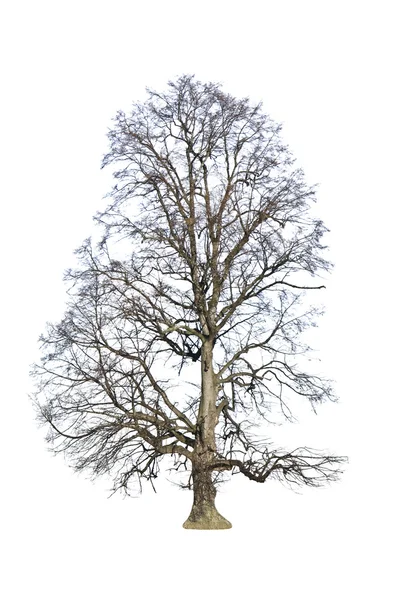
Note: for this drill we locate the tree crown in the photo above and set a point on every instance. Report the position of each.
(219, 246)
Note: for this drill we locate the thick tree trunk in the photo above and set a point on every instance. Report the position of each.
(204, 514)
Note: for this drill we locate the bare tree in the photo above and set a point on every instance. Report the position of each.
(208, 249)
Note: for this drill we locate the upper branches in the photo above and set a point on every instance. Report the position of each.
(221, 206)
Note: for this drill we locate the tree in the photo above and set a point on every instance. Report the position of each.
(208, 249)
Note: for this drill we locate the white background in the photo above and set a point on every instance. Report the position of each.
(328, 71)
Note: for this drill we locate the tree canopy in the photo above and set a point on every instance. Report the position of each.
(185, 323)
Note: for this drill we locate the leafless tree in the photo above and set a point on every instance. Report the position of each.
(209, 247)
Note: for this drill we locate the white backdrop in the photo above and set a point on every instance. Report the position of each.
(328, 72)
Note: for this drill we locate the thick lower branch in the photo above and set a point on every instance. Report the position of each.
(309, 469)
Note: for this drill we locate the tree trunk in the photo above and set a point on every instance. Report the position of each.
(204, 514)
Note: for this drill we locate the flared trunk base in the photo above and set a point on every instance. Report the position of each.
(207, 517)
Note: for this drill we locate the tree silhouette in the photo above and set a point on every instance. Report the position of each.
(209, 247)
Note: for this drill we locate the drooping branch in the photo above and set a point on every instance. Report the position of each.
(302, 466)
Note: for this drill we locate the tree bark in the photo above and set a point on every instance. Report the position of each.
(204, 514)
